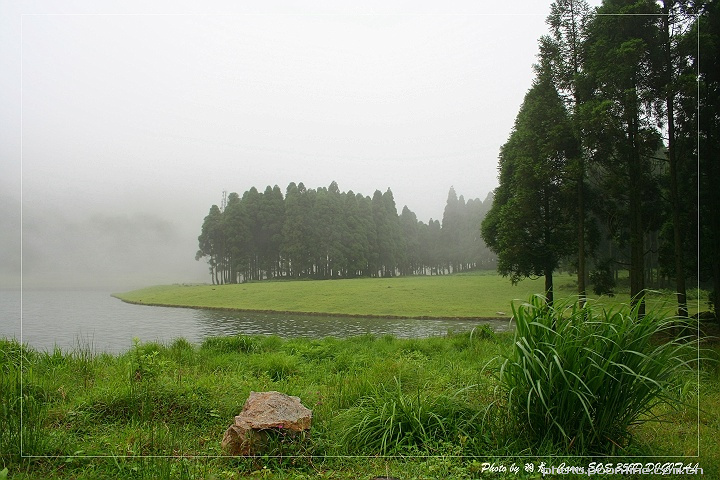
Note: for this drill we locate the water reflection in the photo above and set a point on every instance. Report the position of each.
(217, 323)
(68, 319)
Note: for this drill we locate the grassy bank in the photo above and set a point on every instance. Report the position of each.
(159, 411)
(477, 295)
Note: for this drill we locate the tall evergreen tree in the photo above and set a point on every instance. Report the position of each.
(299, 242)
(237, 231)
(326, 233)
(432, 246)
(389, 239)
(330, 228)
(708, 124)
(271, 218)
(529, 226)
(367, 219)
(622, 48)
(451, 224)
(675, 76)
(562, 53)
(410, 230)
(355, 237)
(211, 242)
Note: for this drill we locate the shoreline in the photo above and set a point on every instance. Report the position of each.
(314, 314)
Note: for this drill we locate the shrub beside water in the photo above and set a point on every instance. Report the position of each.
(581, 377)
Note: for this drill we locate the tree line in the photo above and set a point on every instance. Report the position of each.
(613, 159)
(324, 233)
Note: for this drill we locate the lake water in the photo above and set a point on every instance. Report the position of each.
(66, 318)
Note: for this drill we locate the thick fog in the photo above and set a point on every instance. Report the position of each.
(123, 122)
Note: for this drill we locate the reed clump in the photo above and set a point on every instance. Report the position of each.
(583, 376)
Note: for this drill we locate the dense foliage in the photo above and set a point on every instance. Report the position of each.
(582, 377)
(631, 151)
(326, 233)
(530, 223)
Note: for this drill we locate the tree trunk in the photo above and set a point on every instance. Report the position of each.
(679, 254)
(582, 273)
(637, 244)
(713, 180)
(549, 286)
(548, 264)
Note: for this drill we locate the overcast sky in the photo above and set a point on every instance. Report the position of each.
(123, 122)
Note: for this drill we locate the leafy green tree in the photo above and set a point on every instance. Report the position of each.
(236, 228)
(562, 54)
(708, 25)
(620, 70)
(529, 225)
(451, 226)
(270, 218)
(412, 259)
(297, 235)
(355, 240)
(387, 231)
(677, 90)
(211, 242)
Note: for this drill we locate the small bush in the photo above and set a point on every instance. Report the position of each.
(581, 379)
(146, 362)
(603, 279)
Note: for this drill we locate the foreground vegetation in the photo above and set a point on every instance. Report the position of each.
(409, 408)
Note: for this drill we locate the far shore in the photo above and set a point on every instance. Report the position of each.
(478, 296)
(314, 314)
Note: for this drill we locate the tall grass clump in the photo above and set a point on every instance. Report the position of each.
(581, 378)
(24, 396)
(232, 344)
(10, 352)
(392, 421)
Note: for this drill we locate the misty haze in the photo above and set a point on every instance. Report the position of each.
(438, 239)
(126, 139)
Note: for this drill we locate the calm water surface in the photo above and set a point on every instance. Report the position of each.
(65, 318)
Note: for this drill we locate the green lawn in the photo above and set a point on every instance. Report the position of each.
(159, 411)
(477, 295)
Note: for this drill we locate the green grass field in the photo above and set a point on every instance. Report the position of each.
(430, 408)
(159, 411)
(476, 295)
